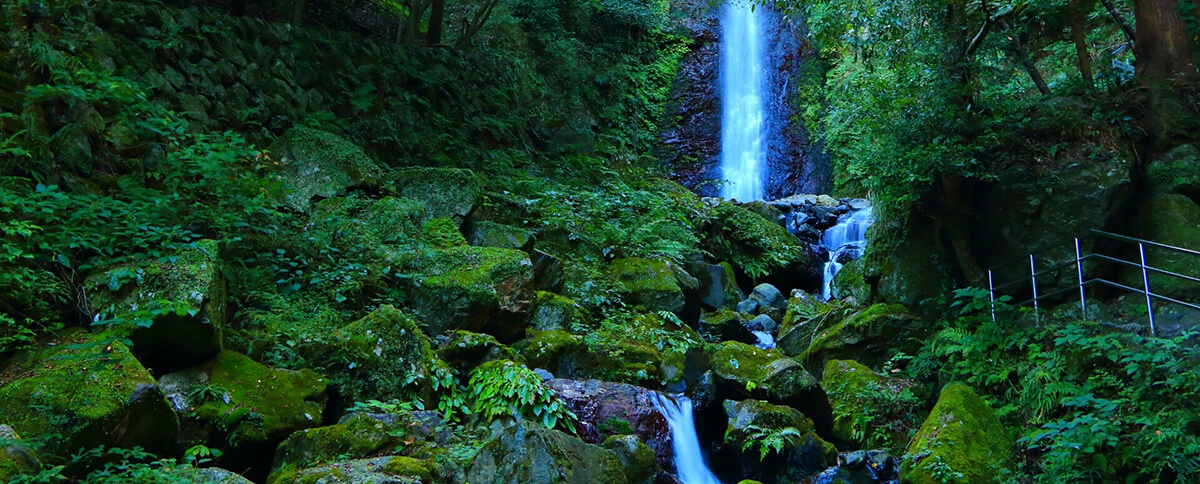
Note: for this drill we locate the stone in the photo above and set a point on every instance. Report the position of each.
(547, 272)
(762, 323)
(803, 454)
(744, 371)
(464, 350)
(555, 312)
(767, 295)
(869, 410)
(314, 163)
(570, 356)
(862, 467)
(648, 282)
(244, 406)
(870, 336)
(357, 436)
(478, 289)
(638, 460)
(718, 285)
(755, 247)
(89, 391)
(607, 409)
(447, 192)
(382, 356)
(724, 325)
(173, 309)
(492, 234)
(1170, 219)
(1178, 171)
(748, 306)
(16, 458)
(527, 453)
(390, 469)
(964, 436)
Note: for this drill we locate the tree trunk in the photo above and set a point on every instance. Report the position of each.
(1162, 49)
(434, 35)
(299, 10)
(1017, 48)
(1119, 19)
(1079, 35)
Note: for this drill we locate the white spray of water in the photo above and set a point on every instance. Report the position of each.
(743, 151)
(689, 461)
(765, 340)
(847, 238)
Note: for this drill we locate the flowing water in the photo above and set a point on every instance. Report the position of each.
(743, 118)
(844, 241)
(689, 461)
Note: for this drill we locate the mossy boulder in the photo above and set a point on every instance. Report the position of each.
(84, 392)
(607, 409)
(725, 325)
(1170, 219)
(357, 436)
(464, 350)
(962, 434)
(527, 453)
(803, 452)
(744, 371)
(478, 289)
(173, 309)
(555, 312)
(450, 193)
(315, 163)
(869, 410)
(16, 457)
(382, 356)
(1177, 172)
(850, 284)
(245, 406)
(650, 283)
(638, 460)
(491, 234)
(442, 233)
(615, 359)
(386, 469)
(760, 249)
(718, 285)
(869, 336)
(383, 234)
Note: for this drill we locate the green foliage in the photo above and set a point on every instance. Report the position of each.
(766, 440)
(503, 388)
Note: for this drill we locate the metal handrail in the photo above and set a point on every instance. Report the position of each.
(1080, 258)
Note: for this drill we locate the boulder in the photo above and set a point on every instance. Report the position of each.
(768, 296)
(16, 458)
(446, 192)
(85, 392)
(547, 272)
(648, 282)
(526, 453)
(725, 325)
(1170, 219)
(963, 436)
(744, 371)
(869, 410)
(555, 312)
(805, 317)
(608, 358)
(803, 453)
(718, 285)
(172, 309)
(245, 407)
(382, 356)
(491, 234)
(464, 350)
(313, 163)
(390, 469)
(1177, 172)
(759, 249)
(607, 409)
(870, 336)
(748, 306)
(357, 436)
(384, 232)
(862, 467)
(637, 459)
(479, 289)
(762, 323)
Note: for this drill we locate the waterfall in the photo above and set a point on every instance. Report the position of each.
(743, 149)
(844, 241)
(689, 461)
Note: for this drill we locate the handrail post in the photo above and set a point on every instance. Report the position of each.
(1037, 315)
(1146, 284)
(1079, 269)
(992, 295)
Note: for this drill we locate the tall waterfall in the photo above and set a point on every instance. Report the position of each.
(743, 117)
(844, 241)
(689, 461)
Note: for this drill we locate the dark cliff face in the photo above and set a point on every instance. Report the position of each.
(693, 135)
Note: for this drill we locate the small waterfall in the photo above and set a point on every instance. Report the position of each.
(689, 461)
(765, 340)
(743, 118)
(844, 241)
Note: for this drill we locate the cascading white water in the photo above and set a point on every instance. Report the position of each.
(743, 118)
(689, 461)
(845, 240)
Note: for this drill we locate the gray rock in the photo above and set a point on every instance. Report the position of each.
(544, 374)
(769, 296)
(748, 306)
(762, 323)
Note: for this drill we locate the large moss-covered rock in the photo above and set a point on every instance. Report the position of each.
(803, 453)
(464, 350)
(526, 453)
(85, 392)
(555, 312)
(390, 469)
(648, 282)
(382, 356)
(759, 248)
(317, 163)
(1170, 219)
(357, 436)
(869, 336)
(607, 409)
(962, 436)
(718, 285)
(245, 407)
(612, 359)
(491, 234)
(725, 325)
(1177, 172)
(479, 289)
(804, 318)
(447, 192)
(173, 309)
(869, 410)
(638, 460)
(16, 457)
(744, 371)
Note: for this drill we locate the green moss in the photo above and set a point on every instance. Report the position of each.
(869, 411)
(86, 392)
(754, 245)
(963, 434)
(446, 192)
(869, 336)
(382, 356)
(358, 436)
(480, 289)
(318, 163)
(557, 312)
(638, 460)
(764, 374)
(1170, 219)
(442, 233)
(603, 358)
(648, 282)
(377, 469)
(263, 404)
(491, 234)
(788, 433)
(720, 325)
(529, 453)
(16, 457)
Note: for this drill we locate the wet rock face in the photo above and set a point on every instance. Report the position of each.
(796, 163)
(606, 409)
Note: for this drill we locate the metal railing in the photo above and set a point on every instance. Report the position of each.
(1081, 284)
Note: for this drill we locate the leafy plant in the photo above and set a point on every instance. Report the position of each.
(765, 440)
(503, 388)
